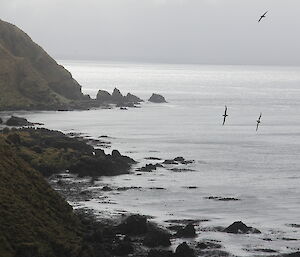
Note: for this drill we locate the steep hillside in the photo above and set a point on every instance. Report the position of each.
(34, 220)
(29, 77)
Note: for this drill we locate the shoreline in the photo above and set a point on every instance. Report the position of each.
(81, 193)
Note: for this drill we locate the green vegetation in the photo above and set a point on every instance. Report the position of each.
(34, 220)
(29, 77)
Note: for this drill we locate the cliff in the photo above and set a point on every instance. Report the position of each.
(29, 77)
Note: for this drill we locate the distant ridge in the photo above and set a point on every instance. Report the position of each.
(29, 77)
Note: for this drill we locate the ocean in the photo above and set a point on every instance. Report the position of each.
(260, 168)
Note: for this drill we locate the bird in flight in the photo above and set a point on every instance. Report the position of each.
(258, 122)
(225, 115)
(263, 16)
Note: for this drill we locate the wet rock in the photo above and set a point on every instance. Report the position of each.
(18, 122)
(152, 158)
(187, 231)
(169, 162)
(133, 99)
(134, 225)
(156, 237)
(218, 198)
(208, 245)
(183, 250)
(103, 96)
(106, 189)
(156, 98)
(1, 121)
(296, 254)
(239, 227)
(179, 159)
(149, 167)
(160, 253)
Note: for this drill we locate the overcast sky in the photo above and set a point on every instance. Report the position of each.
(171, 31)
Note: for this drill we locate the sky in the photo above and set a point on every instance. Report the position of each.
(167, 31)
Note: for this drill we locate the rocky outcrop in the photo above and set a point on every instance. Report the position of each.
(18, 122)
(1, 121)
(187, 231)
(117, 98)
(133, 99)
(29, 77)
(239, 227)
(156, 98)
(183, 250)
(52, 152)
(103, 96)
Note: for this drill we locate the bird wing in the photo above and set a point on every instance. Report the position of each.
(257, 126)
(260, 19)
(224, 120)
(265, 13)
(259, 116)
(225, 110)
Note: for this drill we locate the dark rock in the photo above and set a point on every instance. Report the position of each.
(208, 245)
(117, 97)
(133, 99)
(116, 154)
(106, 189)
(187, 231)
(160, 253)
(156, 237)
(103, 96)
(156, 98)
(18, 122)
(168, 162)
(153, 158)
(149, 167)
(123, 108)
(183, 250)
(133, 225)
(239, 227)
(224, 199)
(179, 159)
(1, 121)
(124, 247)
(296, 254)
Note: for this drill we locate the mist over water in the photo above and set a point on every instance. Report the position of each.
(259, 168)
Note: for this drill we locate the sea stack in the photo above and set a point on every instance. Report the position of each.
(156, 98)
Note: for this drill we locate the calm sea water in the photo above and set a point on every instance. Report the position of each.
(259, 168)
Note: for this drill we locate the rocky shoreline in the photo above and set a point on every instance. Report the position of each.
(72, 164)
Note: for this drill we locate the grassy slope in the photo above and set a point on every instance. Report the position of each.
(29, 77)
(33, 217)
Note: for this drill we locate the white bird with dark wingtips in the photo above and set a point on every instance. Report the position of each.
(258, 122)
(263, 16)
(225, 115)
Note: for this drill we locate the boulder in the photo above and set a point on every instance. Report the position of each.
(18, 122)
(160, 253)
(187, 231)
(183, 250)
(156, 237)
(239, 227)
(103, 96)
(133, 99)
(156, 98)
(133, 225)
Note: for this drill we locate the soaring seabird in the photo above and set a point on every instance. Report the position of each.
(258, 122)
(263, 16)
(225, 115)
